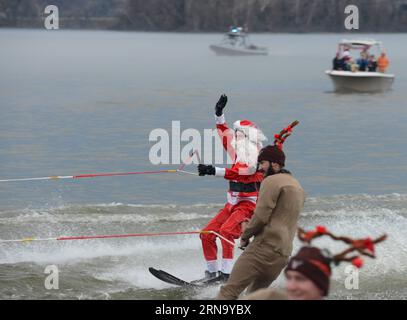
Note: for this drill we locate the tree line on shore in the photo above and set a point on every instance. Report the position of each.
(209, 15)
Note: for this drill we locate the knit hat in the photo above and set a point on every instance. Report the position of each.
(311, 263)
(272, 154)
(315, 265)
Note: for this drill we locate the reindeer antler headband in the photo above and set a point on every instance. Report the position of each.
(364, 246)
(279, 138)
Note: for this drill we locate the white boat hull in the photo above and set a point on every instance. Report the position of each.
(360, 81)
(225, 50)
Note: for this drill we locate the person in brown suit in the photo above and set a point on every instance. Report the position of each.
(273, 225)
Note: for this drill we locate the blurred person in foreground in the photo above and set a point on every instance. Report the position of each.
(309, 272)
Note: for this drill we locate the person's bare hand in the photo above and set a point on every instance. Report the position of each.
(244, 243)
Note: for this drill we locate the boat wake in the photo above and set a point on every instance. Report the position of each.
(118, 268)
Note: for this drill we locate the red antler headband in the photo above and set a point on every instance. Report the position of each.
(363, 246)
(279, 138)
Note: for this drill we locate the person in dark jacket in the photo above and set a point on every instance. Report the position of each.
(372, 64)
(338, 63)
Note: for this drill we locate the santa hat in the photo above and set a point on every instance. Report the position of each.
(251, 131)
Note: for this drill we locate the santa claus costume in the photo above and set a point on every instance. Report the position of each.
(242, 144)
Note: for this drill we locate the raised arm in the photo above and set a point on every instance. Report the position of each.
(225, 133)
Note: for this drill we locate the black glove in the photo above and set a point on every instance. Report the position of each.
(206, 170)
(220, 105)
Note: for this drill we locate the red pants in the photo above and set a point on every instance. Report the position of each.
(228, 224)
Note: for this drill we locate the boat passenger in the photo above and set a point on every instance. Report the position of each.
(383, 62)
(338, 63)
(362, 62)
(372, 64)
(348, 64)
(346, 54)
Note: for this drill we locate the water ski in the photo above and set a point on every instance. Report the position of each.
(171, 279)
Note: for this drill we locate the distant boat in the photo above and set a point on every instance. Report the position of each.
(355, 80)
(235, 43)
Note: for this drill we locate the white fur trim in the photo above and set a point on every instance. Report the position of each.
(220, 120)
(212, 266)
(247, 152)
(220, 172)
(252, 133)
(227, 265)
(234, 198)
(237, 125)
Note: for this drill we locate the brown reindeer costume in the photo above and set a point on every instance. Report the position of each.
(273, 225)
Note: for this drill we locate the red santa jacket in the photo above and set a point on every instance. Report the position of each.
(244, 181)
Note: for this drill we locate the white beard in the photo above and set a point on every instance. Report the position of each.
(246, 151)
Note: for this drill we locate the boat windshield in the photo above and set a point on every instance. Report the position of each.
(356, 47)
(235, 32)
(236, 36)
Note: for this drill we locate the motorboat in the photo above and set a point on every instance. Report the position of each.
(236, 43)
(350, 75)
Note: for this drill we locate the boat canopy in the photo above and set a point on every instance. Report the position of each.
(362, 44)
